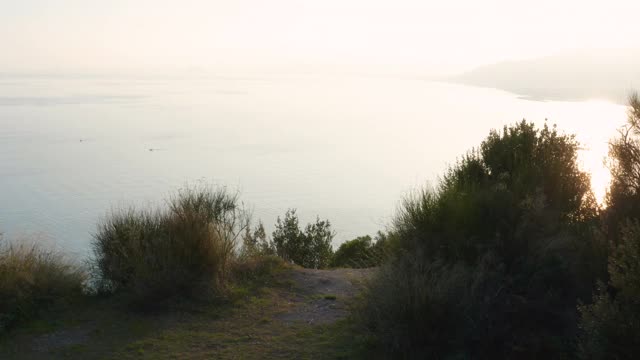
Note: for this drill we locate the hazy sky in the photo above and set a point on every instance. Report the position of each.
(447, 35)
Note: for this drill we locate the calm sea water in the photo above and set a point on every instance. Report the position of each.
(346, 148)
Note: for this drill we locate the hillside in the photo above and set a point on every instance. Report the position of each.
(607, 75)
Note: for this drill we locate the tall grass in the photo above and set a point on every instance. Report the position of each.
(32, 279)
(424, 309)
(183, 249)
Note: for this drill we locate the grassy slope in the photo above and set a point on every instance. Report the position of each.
(246, 326)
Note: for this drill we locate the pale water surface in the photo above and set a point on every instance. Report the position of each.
(346, 148)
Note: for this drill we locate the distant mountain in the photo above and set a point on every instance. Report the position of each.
(607, 74)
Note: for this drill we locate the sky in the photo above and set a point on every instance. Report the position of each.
(444, 36)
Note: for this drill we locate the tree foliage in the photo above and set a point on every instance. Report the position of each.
(311, 248)
(623, 197)
(256, 243)
(362, 252)
(520, 184)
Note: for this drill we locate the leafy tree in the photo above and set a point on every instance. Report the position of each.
(311, 248)
(288, 238)
(256, 243)
(318, 239)
(249, 243)
(265, 246)
(352, 253)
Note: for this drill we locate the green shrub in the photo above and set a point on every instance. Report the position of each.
(492, 261)
(183, 250)
(32, 279)
(433, 309)
(311, 248)
(436, 308)
(362, 252)
(610, 326)
(520, 184)
(255, 243)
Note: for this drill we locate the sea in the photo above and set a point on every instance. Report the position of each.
(342, 147)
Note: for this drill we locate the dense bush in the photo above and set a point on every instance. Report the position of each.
(362, 252)
(443, 311)
(519, 185)
(311, 248)
(493, 260)
(32, 279)
(185, 249)
(612, 323)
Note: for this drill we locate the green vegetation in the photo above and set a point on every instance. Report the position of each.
(610, 326)
(247, 325)
(491, 262)
(209, 297)
(33, 280)
(255, 243)
(362, 252)
(311, 248)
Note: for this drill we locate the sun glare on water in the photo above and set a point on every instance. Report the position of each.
(592, 161)
(595, 123)
(599, 121)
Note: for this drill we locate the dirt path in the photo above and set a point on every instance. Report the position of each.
(322, 296)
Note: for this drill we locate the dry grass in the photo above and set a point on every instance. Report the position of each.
(256, 268)
(186, 249)
(32, 279)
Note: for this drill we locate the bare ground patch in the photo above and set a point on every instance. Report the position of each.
(300, 313)
(322, 296)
